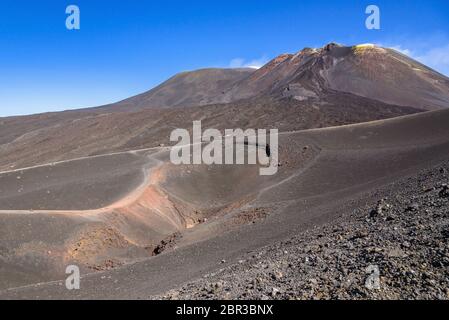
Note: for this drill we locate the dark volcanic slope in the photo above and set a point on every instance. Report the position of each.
(73, 185)
(323, 174)
(79, 135)
(388, 76)
(402, 230)
(187, 89)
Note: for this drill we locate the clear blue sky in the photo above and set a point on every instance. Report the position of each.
(127, 47)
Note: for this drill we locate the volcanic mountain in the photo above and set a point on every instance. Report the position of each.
(365, 70)
(314, 88)
(96, 187)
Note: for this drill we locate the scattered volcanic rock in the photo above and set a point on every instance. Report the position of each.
(410, 252)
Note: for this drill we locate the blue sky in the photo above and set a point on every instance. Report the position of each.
(127, 47)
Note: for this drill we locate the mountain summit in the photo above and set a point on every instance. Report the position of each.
(365, 70)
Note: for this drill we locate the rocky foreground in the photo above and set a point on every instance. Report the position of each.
(395, 247)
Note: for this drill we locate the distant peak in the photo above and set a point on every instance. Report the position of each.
(367, 48)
